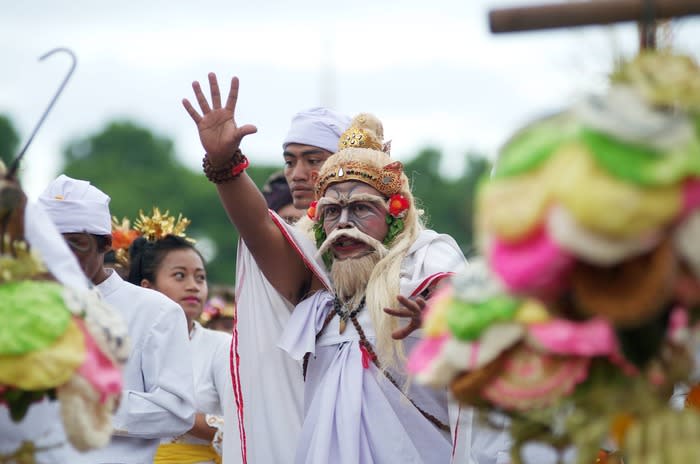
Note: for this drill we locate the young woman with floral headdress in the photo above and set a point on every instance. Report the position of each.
(162, 258)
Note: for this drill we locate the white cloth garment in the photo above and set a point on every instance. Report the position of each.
(259, 368)
(76, 206)
(353, 414)
(42, 424)
(158, 396)
(318, 127)
(268, 385)
(212, 384)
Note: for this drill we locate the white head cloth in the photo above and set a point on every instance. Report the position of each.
(317, 127)
(76, 206)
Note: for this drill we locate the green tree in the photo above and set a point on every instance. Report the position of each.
(9, 139)
(448, 203)
(139, 170)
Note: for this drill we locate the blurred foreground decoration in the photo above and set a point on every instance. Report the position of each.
(583, 316)
(55, 341)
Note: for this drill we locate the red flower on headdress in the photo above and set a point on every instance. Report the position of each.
(311, 212)
(121, 239)
(398, 204)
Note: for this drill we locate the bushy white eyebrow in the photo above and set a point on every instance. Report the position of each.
(344, 199)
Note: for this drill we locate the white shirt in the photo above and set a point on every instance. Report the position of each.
(212, 383)
(158, 396)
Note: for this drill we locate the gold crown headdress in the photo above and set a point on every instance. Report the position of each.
(366, 133)
(154, 227)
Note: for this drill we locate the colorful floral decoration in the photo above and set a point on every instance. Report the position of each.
(398, 205)
(57, 343)
(122, 237)
(584, 312)
(152, 228)
(215, 308)
(311, 211)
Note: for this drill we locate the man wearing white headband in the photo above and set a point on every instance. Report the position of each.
(157, 400)
(313, 136)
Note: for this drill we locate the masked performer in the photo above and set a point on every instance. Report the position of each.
(370, 242)
(258, 367)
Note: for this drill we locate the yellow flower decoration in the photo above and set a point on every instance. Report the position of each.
(158, 225)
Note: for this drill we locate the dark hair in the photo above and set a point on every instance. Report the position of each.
(103, 242)
(276, 192)
(145, 257)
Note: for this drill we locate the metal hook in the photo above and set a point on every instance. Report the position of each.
(15, 164)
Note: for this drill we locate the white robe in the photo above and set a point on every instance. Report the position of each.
(212, 384)
(268, 385)
(158, 396)
(354, 414)
(259, 368)
(42, 424)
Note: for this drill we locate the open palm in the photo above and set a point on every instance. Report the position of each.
(218, 131)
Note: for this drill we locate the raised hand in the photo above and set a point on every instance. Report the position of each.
(412, 309)
(218, 131)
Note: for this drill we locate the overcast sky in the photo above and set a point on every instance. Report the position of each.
(428, 69)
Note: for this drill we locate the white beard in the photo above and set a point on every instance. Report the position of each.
(350, 277)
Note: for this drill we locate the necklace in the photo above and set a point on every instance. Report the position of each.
(345, 313)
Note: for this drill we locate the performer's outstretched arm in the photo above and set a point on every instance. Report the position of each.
(243, 202)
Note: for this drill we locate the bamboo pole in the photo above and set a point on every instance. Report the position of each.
(584, 13)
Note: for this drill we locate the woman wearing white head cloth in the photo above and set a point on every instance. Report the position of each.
(157, 400)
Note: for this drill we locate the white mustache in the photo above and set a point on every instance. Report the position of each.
(352, 233)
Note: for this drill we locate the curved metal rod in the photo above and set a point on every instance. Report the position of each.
(15, 164)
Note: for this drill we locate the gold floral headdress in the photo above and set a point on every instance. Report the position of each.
(152, 228)
(158, 225)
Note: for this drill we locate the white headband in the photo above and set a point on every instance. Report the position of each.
(317, 127)
(76, 206)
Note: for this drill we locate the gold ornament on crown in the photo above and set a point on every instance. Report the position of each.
(357, 137)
